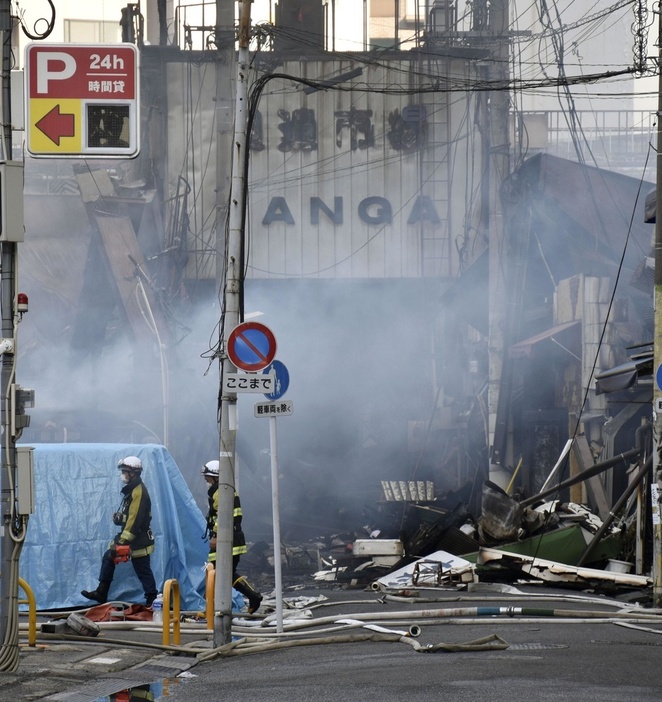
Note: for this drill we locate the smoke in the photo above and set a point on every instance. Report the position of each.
(365, 360)
(359, 356)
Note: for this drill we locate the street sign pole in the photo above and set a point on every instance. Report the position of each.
(274, 410)
(275, 508)
(231, 310)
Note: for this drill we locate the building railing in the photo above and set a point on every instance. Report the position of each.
(418, 22)
(617, 140)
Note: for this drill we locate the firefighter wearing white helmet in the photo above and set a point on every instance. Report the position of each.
(239, 582)
(210, 469)
(130, 463)
(135, 541)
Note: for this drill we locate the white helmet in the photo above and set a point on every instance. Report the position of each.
(132, 463)
(211, 469)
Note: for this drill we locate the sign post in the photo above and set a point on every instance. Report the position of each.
(275, 508)
(82, 101)
(276, 408)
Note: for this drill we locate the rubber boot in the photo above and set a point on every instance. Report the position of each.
(100, 594)
(246, 589)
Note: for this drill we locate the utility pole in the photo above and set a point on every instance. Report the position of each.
(498, 168)
(657, 350)
(233, 300)
(12, 535)
(224, 40)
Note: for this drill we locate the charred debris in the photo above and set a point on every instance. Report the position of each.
(414, 537)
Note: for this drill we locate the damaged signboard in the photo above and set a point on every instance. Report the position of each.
(553, 572)
(440, 569)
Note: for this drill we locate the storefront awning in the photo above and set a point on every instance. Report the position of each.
(626, 375)
(525, 348)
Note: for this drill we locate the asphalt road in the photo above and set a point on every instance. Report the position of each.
(556, 650)
(549, 658)
(544, 663)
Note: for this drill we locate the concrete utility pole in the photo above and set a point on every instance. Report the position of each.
(498, 169)
(224, 40)
(657, 351)
(9, 544)
(233, 299)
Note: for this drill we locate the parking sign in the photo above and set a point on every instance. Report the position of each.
(81, 100)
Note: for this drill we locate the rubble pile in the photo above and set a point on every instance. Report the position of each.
(414, 539)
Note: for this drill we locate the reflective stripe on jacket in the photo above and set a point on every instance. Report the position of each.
(136, 516)
(238, 538)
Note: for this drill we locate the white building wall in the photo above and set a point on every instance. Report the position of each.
(388, 210)
(571, 44)
(96, 21)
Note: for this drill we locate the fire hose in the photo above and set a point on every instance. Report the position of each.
(260, 635)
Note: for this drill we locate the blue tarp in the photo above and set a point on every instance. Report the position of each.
(77, 489)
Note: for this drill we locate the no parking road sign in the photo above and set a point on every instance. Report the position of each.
(251, 346)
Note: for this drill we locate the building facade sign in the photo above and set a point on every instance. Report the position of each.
(341, 184)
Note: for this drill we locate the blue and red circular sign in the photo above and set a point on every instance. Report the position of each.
(251, 346)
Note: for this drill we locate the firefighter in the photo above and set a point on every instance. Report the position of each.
(135, 541)
(239, 582)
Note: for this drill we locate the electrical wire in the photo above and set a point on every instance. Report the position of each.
(38, 36)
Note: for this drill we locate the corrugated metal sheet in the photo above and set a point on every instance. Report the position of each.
(363, 191)
(192, 154)
(374, 190)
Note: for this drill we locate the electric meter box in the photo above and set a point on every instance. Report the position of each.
(25, 479)
(11, 188)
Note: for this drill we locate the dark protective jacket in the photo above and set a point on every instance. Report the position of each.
(135, 517)
(238, 538)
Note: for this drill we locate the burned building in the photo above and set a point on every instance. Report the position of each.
(425, 339)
